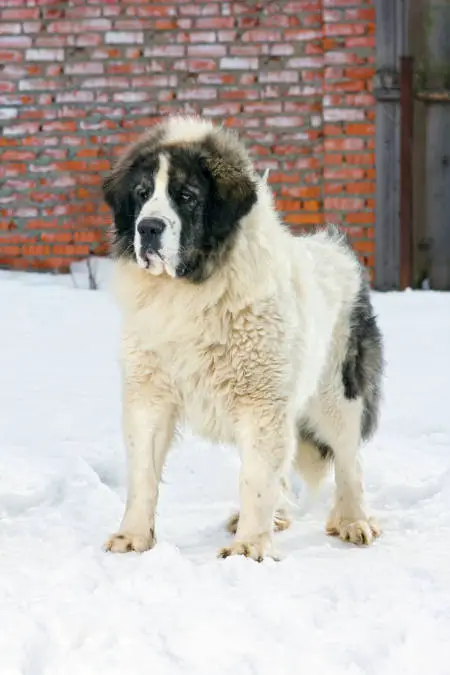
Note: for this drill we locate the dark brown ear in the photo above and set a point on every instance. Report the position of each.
(109, 188)
(233, 191)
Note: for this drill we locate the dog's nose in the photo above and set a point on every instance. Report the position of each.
(151, 227)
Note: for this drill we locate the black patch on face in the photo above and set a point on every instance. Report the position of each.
(363, 365)
(211, 195)
(209, 188)
(308, 435)
(127, 187)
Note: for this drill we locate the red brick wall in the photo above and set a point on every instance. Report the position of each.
(81, 78)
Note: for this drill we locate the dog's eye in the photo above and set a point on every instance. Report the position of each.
(187, 197)
(142, 192)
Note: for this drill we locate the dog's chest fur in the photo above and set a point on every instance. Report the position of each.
(214, 356)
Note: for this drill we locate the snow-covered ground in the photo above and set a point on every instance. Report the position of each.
(68, 608)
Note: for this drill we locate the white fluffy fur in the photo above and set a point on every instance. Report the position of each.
(240, 358)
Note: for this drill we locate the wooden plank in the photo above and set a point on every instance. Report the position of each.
(387, 229)
(387, 241)
(438, 153)
(420, 252)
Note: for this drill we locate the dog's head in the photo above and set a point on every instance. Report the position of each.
(178, 196)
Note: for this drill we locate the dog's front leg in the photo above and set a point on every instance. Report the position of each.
(267, 445)
(149, 421)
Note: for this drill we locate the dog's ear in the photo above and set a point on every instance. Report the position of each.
(233, 193)
(117, 194)
(115, 185)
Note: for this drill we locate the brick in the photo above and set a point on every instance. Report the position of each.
(283, 49)
(334, 29)
(343, 174)
(233, 93)
(165, 50)
(160, 10)
(197, 36)
(359, 73)
(74, 97)
(261, 36)
(360, 129)
(124, 38)
(215, 22)
(263, 107)
(7, 55)
(8, 113)
(304, 218)
(20, 14)
(247, 50)
(222, 109)
(284, 121)
(14, 42)
(9, 28)
(343, 203)
(44, 54)
(200, 93)
(216, 78)
(305, 62)
(238, 63)
(361, 218)
(332, 145)
(60, 126)
(302, 192)
(39, 84)
(340, 114)
(361, 188)
(360, 42)
(194, 65)
(31, 27)
(72, 27)
(206, 51)
(26, 128)
(17, 155)
(302, 35)
(363, 14)
(91, 68)
(50, 41)
(155, 81)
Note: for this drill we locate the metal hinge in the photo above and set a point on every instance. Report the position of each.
(386, 84)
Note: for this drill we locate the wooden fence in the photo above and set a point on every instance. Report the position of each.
(413, 144)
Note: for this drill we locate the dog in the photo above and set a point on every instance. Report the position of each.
(234, 326)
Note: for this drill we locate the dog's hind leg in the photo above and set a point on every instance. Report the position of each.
(339, 422)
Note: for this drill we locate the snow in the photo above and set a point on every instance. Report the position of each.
(69, 608)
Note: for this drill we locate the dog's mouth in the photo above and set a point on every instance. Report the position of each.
(149, 256)
(156, 262)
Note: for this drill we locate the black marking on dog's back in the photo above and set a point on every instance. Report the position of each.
(308, 435)
(363, 364)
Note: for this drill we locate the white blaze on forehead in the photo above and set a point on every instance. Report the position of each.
(159, 206)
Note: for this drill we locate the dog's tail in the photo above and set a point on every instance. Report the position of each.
(313, 459)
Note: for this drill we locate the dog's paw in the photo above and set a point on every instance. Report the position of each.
(124, 542)
(257, 549)
(281, 522)
(360, 532)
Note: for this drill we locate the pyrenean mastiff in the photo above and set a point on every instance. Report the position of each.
(247, 334)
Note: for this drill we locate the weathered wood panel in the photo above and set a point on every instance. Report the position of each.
(387, 230)
(438, 150)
